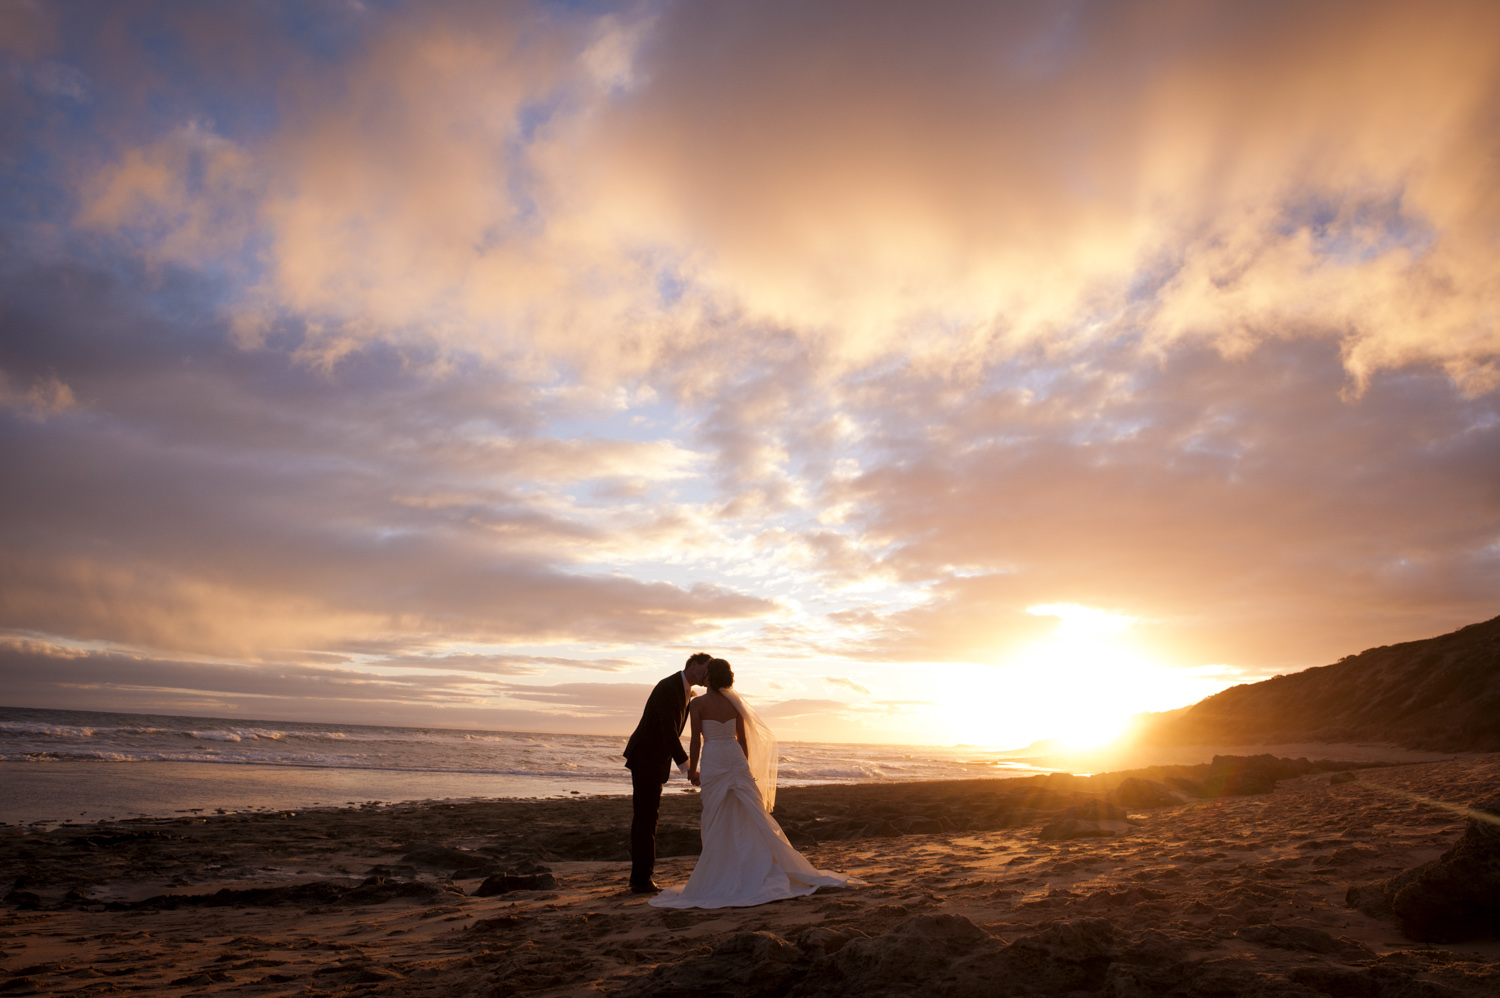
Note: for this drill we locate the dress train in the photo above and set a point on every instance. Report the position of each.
(746, 857)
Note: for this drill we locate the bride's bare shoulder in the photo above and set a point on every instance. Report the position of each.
(713, 707)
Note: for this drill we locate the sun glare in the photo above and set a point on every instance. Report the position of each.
(1080, 685)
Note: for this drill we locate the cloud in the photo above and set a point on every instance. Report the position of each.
(505, 665)
(34, 667)
(27, 29)
(940, 190)
(186, 196)
(57, 79)
(1174, 496)
(791, 709)
(48, 674)
(848, 684)
(222, 502)
(948, 191)
(618, 702)
(459, 350)
(46, 397)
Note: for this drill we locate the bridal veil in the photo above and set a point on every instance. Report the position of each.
(761, 746)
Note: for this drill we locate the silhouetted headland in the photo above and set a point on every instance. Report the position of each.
(1441, 694)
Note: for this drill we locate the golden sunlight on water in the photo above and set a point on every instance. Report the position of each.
(1080, 685)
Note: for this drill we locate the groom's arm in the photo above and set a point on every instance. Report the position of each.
(667, 728)
(678, 755)
(696, 741)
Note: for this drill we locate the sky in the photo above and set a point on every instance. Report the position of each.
(971, 374)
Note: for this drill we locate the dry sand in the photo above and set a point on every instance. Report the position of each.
(1230, 896)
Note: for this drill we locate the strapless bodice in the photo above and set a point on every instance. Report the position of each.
(714, 731)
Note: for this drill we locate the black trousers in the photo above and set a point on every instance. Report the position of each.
(645, 795)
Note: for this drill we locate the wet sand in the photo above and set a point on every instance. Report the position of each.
(971, 892)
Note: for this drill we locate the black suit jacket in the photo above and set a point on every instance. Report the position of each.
(657, 740)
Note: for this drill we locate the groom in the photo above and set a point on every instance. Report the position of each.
(656, 744)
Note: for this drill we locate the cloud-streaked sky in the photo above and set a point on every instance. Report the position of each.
(472, 363)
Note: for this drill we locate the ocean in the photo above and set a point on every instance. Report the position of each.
(74, 765)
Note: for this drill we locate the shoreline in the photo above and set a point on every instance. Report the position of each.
(57, 791)
(53, 792)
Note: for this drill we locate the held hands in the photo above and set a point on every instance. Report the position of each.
(694, 778)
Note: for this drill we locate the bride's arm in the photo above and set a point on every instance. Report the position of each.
(695, 746)
(739, 734)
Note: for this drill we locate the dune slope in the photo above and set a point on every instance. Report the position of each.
(1441, 694)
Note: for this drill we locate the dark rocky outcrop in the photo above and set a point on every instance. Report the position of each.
(1226, 776)
(1095, 819)
(431, 856)
(948, 956)
(1134, 792)
(1239, 777)
(505, 883)
(678, 840)
(914, 956)
(373, 890)
(1441, 694)
(1302, 938)
(1369, 982)
(920, 955)
(1454, 897)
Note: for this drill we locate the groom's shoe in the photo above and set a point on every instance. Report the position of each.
(647, 888)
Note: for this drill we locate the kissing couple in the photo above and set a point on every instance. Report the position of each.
(746, 858)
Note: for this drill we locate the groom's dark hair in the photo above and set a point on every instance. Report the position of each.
(699, 656)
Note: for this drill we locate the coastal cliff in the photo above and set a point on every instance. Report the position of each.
(1440, 694)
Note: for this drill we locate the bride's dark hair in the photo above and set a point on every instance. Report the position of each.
(720, 675)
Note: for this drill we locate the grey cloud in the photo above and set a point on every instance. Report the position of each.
(32, 670)
(803, 708)
(215, 500)
(507, 665)
(35, 674)
(616, 700)
(42, 674)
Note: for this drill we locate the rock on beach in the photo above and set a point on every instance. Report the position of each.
(1452, 898)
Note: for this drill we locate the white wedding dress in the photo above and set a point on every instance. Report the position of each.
(746, 858)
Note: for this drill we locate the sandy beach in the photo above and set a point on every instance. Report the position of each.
(975, 887)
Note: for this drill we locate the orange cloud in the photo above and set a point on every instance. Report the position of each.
(46, 397)
(945, 188)
(874, 180)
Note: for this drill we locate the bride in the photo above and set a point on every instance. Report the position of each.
(746, 858)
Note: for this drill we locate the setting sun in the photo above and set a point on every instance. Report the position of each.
(1079, 685)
